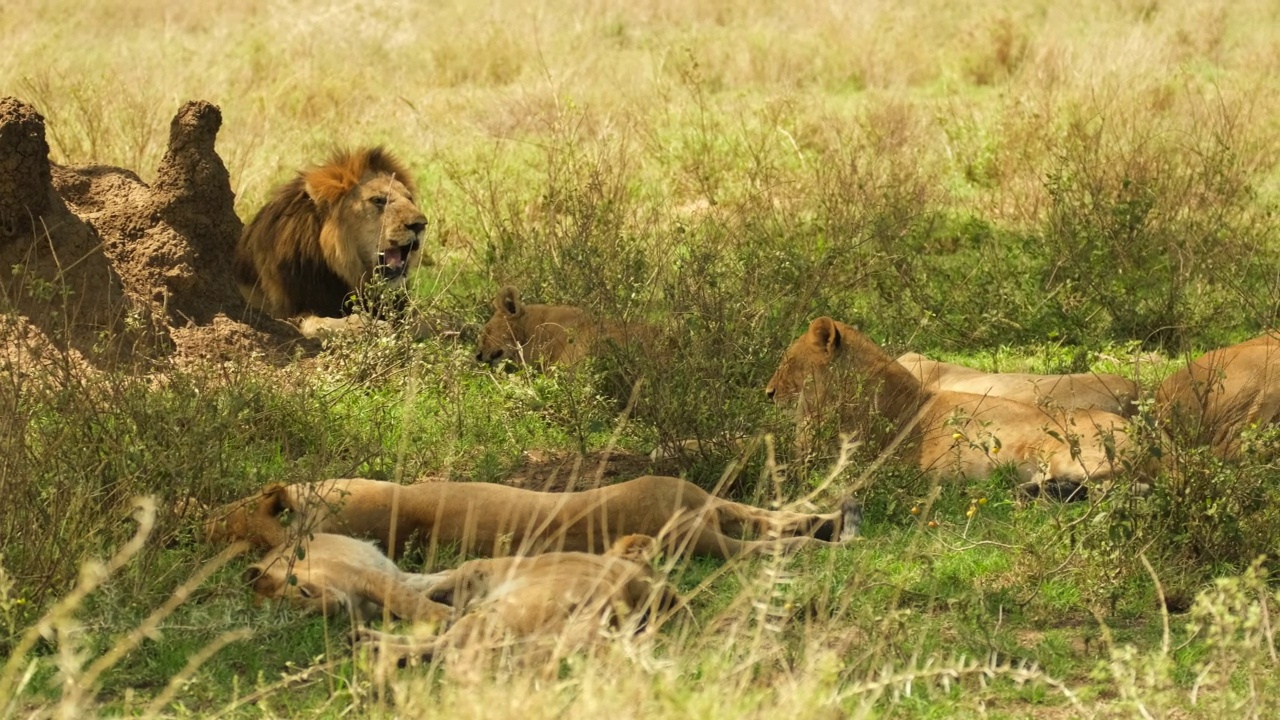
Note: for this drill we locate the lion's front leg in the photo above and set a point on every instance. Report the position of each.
(732, 518)
(426, 582)
(314, 326)
(405, 601)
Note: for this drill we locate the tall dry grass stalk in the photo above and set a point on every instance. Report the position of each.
(80, 673)
(810, 673)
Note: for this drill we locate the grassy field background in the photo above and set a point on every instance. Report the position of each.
(1044, 186)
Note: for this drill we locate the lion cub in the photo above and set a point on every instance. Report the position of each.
(554, 603)
(327, 572)
(543, 335)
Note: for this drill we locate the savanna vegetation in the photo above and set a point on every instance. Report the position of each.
(1043, 186)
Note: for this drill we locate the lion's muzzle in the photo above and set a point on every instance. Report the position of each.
(393, 262)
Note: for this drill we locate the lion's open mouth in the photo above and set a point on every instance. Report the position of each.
(394, 262)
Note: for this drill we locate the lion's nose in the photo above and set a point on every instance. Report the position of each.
(769, 391)
(416, 227)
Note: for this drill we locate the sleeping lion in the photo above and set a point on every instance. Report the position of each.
(543, 606)
(487, 519)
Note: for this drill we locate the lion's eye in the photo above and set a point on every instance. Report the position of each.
(379, 202)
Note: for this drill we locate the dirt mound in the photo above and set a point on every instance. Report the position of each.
(24, 167)
(118, 271)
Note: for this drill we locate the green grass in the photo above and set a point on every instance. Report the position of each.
(966, 591)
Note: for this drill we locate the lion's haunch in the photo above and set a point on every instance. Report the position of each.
(1222, 393)
(557, 603)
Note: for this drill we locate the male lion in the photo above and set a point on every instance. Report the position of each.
(1077, 391)
(543, 335)
(488, 519)
(837, 373)
(552, 604)
(325, 235)
(1222, 393)
(326, 572)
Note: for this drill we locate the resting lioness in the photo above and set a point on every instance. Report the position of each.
(326, 572)
(837, 373)
(488, 519)
(556, 602)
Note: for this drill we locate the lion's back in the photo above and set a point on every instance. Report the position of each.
(1216, 395)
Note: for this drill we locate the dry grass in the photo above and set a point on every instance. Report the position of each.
(987, 87)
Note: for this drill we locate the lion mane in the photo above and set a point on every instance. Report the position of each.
(327, 233)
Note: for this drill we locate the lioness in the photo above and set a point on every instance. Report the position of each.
(557, 602)
(488, 519)
(543, 335)
(326, 572)
(1221, 393)
(326, 234)
(835, 371)
(1077, 391)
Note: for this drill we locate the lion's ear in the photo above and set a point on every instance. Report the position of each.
(275, 499)
(328, 184)
(508, 301)
(825, 334)
(251, 574)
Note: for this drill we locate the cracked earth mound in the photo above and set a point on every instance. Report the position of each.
(99, 269)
